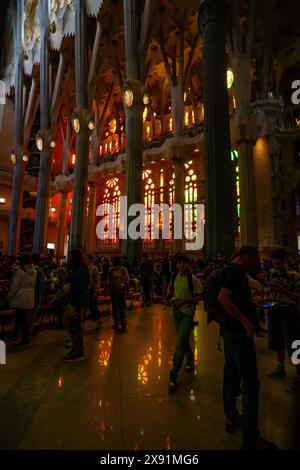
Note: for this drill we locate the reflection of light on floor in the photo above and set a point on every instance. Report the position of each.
(168, 443)
(105, 352)
(142, 432)
(60, 382)
(196, 346)
(142, 372)
(159, 354)
(192, 396)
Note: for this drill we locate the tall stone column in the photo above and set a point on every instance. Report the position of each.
(77, 233)
(270, 187)
(179, 198)
(248, 218)
(246, 140)
(18, 151)
(43, 194)
(61, 232)
(60, 245)
(240, 49)
(134, 122)
(177, 100)
(219, 182)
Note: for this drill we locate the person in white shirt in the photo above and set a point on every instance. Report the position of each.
(21, 297)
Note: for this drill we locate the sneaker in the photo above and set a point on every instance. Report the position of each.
(172, 386)
(278, 372)
(74, 357)
(22, 344)
(233, 426)
(188, 368)
(259, 443)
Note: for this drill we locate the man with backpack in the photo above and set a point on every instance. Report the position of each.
(119, 281)
(236, 314)
(185, 291)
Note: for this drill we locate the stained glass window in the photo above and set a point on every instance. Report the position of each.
(111, 198)
(149, 199)
(190, 198)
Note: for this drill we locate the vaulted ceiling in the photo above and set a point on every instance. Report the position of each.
(276, 42)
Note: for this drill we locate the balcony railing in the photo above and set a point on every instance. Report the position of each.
(156, 143)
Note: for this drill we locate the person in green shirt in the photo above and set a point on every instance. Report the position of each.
(185, 291)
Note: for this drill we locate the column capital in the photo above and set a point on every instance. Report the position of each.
(45, 140)
(19, 155)
(133, 92)
(82, 120)
(212, 11)
(247, 126)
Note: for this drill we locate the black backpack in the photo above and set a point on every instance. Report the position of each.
(211, 289)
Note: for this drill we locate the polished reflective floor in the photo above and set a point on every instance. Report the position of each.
(118, 398)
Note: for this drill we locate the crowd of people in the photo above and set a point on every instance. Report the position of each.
(248, 292)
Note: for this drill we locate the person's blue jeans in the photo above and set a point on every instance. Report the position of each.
(183, 325)
(240, 368)
(118, 306)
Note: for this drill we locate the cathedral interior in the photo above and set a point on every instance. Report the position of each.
(165, 157)
(182, 102)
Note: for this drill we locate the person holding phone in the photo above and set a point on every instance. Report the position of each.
(283, 287)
